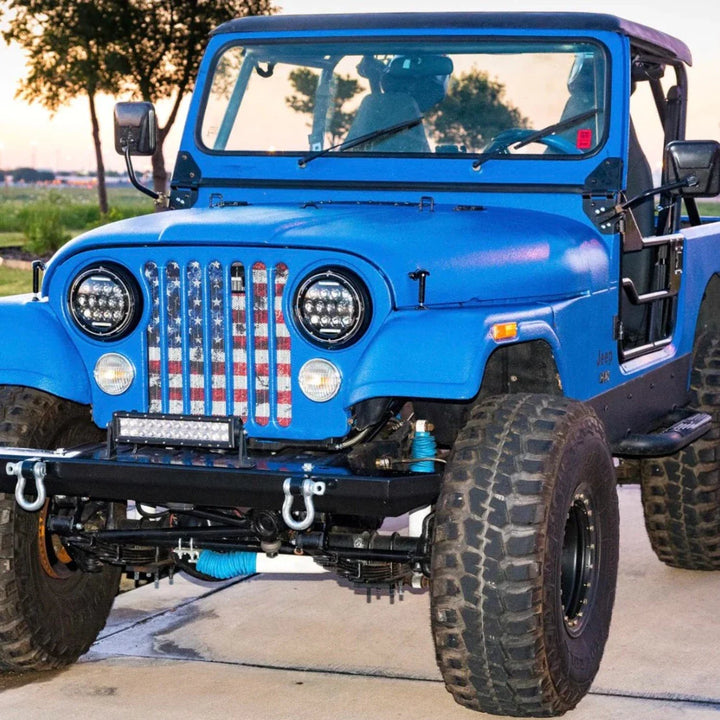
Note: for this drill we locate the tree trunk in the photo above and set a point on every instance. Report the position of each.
(160, 175)
(102, 190)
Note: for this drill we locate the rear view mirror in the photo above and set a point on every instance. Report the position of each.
(135, 128)
(698, 161)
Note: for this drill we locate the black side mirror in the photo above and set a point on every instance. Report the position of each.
(698, 161)
(135, 128)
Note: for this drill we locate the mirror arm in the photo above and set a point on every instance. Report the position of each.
(133, 178)
(689, 181)
(620, 208)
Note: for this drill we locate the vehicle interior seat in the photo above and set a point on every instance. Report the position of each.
(584, 83)
(383, 110)
(401, 91)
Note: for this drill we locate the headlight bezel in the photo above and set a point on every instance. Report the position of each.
(329, 337)
(129, 291)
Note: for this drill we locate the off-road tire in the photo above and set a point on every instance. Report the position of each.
(529, 488)
(45, 622)
(681, 493)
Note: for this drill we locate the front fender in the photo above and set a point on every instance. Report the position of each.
(440, 353)
(37, 352)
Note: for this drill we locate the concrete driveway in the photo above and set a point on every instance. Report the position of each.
(267, 648)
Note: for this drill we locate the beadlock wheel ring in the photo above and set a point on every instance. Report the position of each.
(578, 564)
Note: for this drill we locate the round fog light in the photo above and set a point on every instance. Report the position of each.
(114, 373)
(319, 380)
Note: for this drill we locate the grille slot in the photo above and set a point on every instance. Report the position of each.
(217, 341)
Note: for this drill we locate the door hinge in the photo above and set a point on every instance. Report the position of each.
(618, 329)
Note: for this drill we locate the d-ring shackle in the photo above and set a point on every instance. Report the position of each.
(32, 469)
(292, 488)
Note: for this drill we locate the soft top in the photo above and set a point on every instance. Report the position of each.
(643, 36)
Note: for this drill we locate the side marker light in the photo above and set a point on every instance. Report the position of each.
(504, 331)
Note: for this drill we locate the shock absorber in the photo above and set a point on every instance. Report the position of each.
(424, 448)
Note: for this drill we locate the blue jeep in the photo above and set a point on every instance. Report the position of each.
(414, 263)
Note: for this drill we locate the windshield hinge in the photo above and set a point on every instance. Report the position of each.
(601, 194)
(185, 181)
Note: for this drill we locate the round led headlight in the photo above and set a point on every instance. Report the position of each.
(319, 380)
(113, 373)
(104, 301)
(332, 307)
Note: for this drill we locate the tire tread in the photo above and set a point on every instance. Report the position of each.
(32, 418)
(487, 581)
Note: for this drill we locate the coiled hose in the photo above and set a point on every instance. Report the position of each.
(224, 566)
(423, 446)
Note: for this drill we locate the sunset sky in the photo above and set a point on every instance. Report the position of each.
(30, 137)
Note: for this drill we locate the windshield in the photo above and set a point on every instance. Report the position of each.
(452, 98)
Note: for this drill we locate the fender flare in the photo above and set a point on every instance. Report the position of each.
(440, 353)
(37, 352)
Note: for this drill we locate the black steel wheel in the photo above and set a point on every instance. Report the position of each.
(525, 556)
(681, 493)
(50, 611)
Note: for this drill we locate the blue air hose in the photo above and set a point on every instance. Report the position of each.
(423, 446)
(224, 566)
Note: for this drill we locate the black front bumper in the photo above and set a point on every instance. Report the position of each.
(161, 476)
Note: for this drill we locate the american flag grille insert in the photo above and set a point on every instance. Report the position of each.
(217, 341)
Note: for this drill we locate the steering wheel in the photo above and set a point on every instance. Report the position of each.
(506, 138)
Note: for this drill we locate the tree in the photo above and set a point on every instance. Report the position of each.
(161, 45)
(32, 175)
(305, 82)
(150, 48)
(69, 50)
(473, 112)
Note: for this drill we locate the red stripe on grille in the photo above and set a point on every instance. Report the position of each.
(216, 282)
(282, 351)
(239, 334)
(260, 338)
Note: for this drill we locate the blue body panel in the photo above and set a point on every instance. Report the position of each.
(508, 242)
(37, 351)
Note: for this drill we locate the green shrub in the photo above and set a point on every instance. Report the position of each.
(43, 227)
(112, 215)
(78, 207)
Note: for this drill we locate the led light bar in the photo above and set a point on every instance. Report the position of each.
(182, 430)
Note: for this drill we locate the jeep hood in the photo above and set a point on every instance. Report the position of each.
(473, 255)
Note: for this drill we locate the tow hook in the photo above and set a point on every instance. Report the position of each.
(294, 487)
(32, 469)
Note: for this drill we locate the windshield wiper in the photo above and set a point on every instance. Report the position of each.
(362, 139)
(537, 135)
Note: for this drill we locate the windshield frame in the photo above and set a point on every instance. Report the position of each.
(409, 39)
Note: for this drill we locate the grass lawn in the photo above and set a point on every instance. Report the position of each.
(9, 239)
(708, 208)
(71, 210)
(76, 210)
(15, 282)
